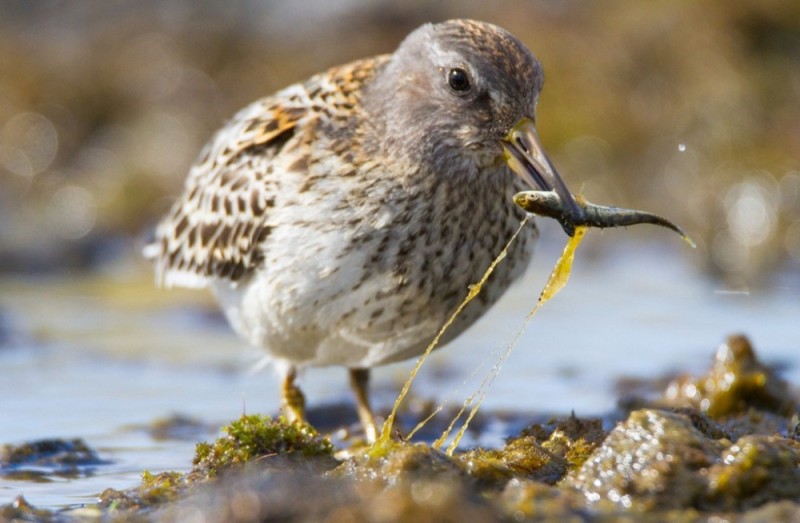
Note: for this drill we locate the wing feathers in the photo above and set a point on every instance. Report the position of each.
(215, 228)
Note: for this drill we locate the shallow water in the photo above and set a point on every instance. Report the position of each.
(102, 358)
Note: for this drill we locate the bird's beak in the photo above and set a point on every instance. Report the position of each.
(526, 157)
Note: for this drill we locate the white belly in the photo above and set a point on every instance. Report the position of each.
(323, 302)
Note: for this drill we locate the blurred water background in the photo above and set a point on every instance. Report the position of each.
(690, 110)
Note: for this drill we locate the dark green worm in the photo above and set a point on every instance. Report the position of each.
(548, 204)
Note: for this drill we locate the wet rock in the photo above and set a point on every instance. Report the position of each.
(269, 495)
(659, 460)
(245, 495)
(395, 461)
(422, 500)
(754, 470)
(709, 427)
(651, 461)
(522, 457)
(252, 445)
(154, 490)
(115, 500)
(260, 471)
(541, 452)
(179, 427)
(773, 512)
(736, 382)
(571, 438)
(46, 457)
(677, 463)
(21, 510)
(531, 500)
(756, 422)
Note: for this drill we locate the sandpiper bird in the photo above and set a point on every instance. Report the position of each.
(341, 220)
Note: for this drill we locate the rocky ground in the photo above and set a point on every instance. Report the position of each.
(725, 444)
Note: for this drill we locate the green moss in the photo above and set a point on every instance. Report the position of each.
(247, 440)
(382, 448)
(254, 437)
(160, 488)
(154, 490)
(570, 438)
(541, 452)
(521, 457)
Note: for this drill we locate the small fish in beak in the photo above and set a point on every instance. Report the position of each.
(551, 197)
(548, 203)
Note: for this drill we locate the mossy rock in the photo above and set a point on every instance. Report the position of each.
(521, 457)
(21, 510)
(263, 440)
(754, 470)
(660, 461)
(651, 461)
(571, 438)
(736, 382)
(391, 462)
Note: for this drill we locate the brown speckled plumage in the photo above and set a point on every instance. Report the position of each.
(341, 220)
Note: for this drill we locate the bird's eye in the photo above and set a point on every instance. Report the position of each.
(458, 80)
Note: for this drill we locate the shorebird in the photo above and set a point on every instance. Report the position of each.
(341, 220)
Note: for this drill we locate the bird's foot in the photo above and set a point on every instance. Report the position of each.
(359, 381)
(293, 403)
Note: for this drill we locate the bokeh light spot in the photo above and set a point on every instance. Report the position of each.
(750, 212)
(31, 135)
(72, 212)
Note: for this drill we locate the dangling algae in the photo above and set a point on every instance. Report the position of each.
(548, 204)
(557, 280)
(474, 290)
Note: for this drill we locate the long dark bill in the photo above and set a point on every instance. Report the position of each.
(526, 157)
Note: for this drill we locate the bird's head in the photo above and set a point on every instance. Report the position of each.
(463, 94)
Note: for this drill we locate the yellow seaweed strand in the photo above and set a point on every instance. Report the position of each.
(560, 275)
(473, 292)
(557, 280)
(422, 423)
(467, 402)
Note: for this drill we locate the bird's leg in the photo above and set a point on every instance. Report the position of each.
(359, 381)
(293, 402)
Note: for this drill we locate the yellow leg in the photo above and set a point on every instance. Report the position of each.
(359, 381)
(293, 402)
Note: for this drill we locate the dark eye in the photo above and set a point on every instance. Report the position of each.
(458, 80)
